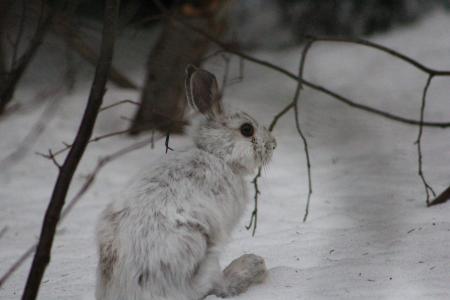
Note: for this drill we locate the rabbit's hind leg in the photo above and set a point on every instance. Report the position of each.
(208, 279)
(243, 272)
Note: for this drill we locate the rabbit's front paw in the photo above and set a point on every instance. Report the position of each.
(242, 272)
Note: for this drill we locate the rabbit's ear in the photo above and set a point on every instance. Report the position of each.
(202, 91)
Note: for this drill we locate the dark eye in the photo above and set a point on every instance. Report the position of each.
(247, 129)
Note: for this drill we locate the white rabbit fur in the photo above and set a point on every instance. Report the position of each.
(160, 239)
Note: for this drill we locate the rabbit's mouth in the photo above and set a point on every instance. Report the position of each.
(264, 156)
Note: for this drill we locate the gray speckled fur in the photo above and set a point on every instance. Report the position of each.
(160, 239)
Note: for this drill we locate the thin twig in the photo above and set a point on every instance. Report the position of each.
(254, 216)
(94, 139)
(119, 103)
(298, 127)
(427, 186)
(166, 143)
(276, 118)
(52, 157)
(279, 115)
(68, 146)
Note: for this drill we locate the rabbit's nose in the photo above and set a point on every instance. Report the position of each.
(272, 144)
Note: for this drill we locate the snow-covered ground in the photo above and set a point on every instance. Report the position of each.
(369, 234)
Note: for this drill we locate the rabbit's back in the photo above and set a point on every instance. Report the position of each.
(153, 237)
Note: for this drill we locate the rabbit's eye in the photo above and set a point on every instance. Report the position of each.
(247, 129)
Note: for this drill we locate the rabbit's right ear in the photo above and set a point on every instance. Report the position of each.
(202, 92)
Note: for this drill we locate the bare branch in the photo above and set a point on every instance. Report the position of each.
(166, 143)
(277, 117)
(52, 215)
(52, 157)
(104, 136)
(297, 124)
(254, 216)
(93, 140)
(428, 188)
(384, 49)
(119, 103)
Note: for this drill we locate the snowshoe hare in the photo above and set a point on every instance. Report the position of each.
(161, 238)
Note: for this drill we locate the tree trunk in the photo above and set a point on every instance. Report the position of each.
(162, 101)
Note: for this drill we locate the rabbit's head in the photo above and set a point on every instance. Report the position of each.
(235, 137)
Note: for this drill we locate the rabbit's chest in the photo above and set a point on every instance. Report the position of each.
(227, 199)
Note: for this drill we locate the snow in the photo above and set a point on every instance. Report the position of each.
(369, 234)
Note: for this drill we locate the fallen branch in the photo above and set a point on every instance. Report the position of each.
(52, 215)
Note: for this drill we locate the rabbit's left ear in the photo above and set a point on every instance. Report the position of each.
(202, 91)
